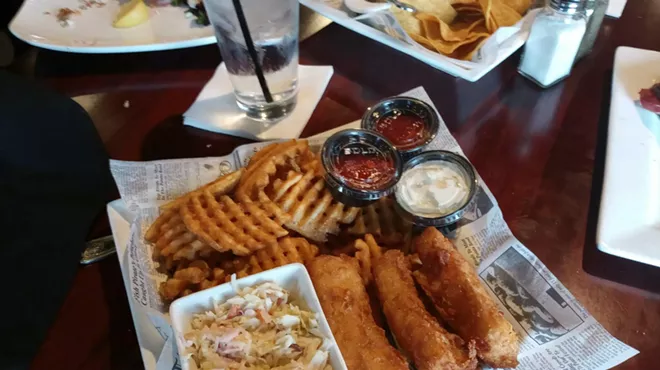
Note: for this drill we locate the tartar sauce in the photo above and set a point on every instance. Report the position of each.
(432, 189)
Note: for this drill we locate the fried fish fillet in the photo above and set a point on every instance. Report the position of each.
(454, 287)
(346, 305)
(418, 333)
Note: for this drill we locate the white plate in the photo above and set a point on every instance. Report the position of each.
(92, 30)
(629, 221)
(293, 277)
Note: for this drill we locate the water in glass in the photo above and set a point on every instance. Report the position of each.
(273, 27)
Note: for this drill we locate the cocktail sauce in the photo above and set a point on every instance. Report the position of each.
(408, 123)
(361, 166)
(404, 129)
(365, 172)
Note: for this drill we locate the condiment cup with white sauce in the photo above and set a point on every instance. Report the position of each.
(416, 122)
(435, 188)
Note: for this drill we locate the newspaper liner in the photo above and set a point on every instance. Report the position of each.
(556, 331)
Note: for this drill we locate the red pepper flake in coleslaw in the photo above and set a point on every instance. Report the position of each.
(258, 329)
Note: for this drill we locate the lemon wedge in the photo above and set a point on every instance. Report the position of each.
(131, 14)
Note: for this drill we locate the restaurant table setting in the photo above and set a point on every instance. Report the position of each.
(40, 23)
(555, 329)
(289, 252)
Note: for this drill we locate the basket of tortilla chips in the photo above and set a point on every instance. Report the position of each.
(458, 28)
(466, 38)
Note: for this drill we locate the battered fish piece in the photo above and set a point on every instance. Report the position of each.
(428, 344)
(454, 287)
(346, 305)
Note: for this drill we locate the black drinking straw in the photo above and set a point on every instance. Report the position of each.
(253, 52)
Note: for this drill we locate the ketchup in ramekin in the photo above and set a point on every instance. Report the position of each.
(408, 123)
(364, 171)
(361, 166)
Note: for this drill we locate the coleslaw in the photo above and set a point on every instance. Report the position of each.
(257, 329)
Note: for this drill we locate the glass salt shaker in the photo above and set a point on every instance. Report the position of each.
(554, 41)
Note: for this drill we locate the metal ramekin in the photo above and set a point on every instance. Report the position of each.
(411, 105)
(335, 146)
(469, 174)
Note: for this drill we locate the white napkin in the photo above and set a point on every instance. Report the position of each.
(615, 8)
(215, 108)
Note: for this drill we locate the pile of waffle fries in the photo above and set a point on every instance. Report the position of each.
(273, 212)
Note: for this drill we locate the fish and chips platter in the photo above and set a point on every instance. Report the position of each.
(465, 38)
(474, 296)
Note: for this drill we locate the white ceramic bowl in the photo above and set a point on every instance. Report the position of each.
(293, 277)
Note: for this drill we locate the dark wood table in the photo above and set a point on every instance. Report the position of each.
(539, 151)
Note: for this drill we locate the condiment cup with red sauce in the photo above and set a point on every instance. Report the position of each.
(408, 123)
(361, 166)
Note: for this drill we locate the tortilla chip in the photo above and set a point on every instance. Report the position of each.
(486, 6)
(502, 15)
(407, 20)
(439, 46)
(459, 31)
(440, 8)
(466, 52)
(520, 6)
(468, 9)
(450, 47)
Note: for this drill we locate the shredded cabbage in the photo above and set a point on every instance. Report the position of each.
(257, 329)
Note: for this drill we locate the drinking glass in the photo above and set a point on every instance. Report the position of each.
(267, 90)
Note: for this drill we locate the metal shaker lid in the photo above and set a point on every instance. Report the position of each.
(569, 6)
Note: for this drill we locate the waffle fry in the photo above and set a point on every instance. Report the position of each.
(366, 254)
(199, 275)
(286, 179)
(195, 273)
(314, 212)
(223, 185)
(229, 226)
(184, 280)
(263, 166)
(171, 289)
(173, 241)
(261, 153)
(381, 220)
(287, 250)
(190, 278)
